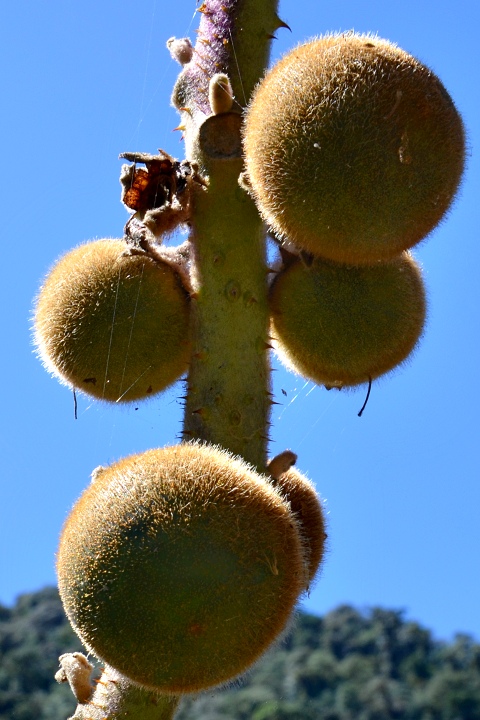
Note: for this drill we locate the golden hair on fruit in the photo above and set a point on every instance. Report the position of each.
(342, 325)
(354, 149)
(180, 566)
(307, 509)
(113, 325)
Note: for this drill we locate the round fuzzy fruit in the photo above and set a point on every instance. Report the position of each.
(180, 566)
(113, 325)
(307, 510)
(354, 149)
(342, 325)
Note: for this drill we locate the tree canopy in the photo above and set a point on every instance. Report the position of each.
(346, 665)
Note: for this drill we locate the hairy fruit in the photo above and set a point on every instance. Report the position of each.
(179, 566)
(354, 149)
(113, 325)
(342, 325)
(307, 510)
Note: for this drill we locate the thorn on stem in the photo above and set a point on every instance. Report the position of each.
(282, 24)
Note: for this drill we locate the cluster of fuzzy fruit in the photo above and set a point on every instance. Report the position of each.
(354, 152)
(178, 567)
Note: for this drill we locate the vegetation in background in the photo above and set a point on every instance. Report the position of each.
(346, 665)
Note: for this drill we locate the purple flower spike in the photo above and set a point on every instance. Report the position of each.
(212, 50)
(233, 38)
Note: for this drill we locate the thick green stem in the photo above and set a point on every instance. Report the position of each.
(228, 397)
(228, 386)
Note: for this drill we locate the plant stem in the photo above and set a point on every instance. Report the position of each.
(228, 400)
(228, 397)
(116, 697)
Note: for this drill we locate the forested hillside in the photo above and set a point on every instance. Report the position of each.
(343, 666)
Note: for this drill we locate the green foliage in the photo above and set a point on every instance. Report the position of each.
(344, 666)
(32, 636)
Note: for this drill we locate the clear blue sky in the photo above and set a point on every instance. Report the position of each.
(85, 81)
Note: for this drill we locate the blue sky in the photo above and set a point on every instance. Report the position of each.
(83, 82)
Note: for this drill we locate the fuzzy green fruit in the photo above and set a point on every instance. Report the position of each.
(307, 510)
(113, 325)
(341, 325)
(180, 566)
(354, 149)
